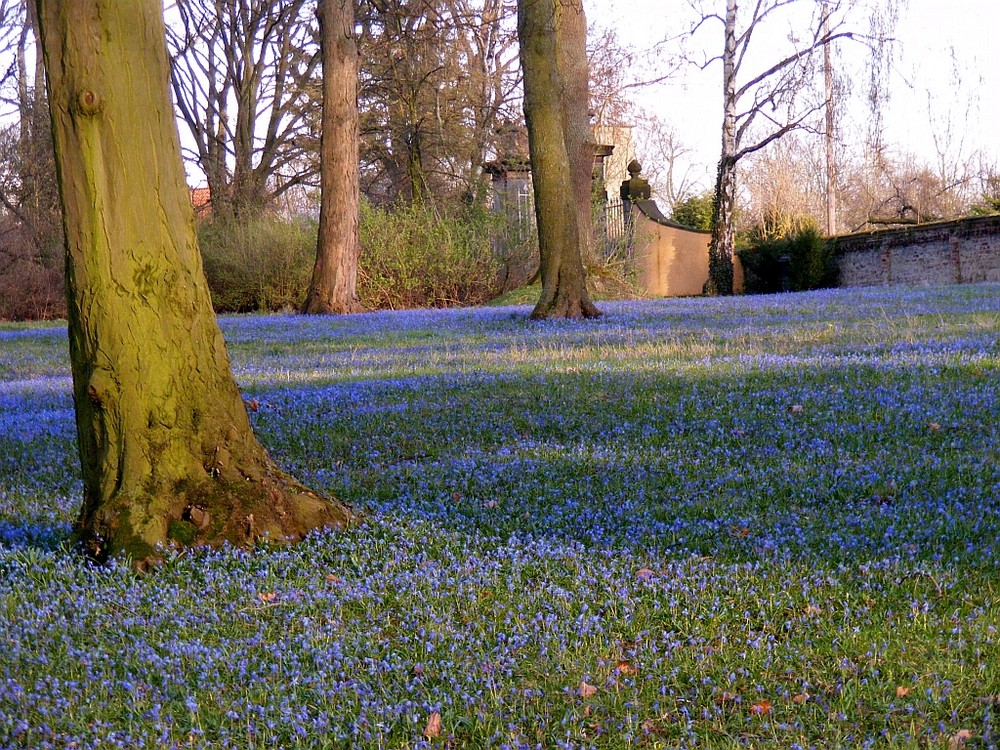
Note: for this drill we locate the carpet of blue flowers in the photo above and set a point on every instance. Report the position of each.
(746, 522)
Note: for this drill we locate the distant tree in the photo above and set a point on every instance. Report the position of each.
(241, 75)
(694, 212)
(437, 76)
(752, 101)
(552, 36)
(885, 189)
(27, 170)
(166, 448)
(989, 196)
(333, 288)
(663, 152)
(786, 179)
(31, 265)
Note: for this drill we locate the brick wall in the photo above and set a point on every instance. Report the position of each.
(951, 252)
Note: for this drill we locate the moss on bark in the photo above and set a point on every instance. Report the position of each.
(161, 424)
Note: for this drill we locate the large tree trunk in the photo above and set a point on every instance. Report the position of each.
(335, 276)
(552, 37)
(720, 250)
(575, 71)
(166, 448)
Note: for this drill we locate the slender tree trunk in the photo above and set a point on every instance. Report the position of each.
(831, 157)
(335, 275)
(723, 243)
(166, 448)
(551, 35)
(415, 178)
(25, 109)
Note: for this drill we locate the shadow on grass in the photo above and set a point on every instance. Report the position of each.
(19, 535)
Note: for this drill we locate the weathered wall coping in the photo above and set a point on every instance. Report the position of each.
(919, 233)
(651, 211)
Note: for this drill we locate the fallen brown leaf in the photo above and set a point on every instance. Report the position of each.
(760, 708)
(433, 728)
(586, 690)
(626, 667)
(958, 739)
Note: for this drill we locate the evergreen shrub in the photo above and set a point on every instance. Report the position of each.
(795, 262)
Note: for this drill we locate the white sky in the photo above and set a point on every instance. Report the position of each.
(937, 40)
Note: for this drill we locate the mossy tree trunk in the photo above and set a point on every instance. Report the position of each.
(335, 276)
(552, 39)
(166, 448)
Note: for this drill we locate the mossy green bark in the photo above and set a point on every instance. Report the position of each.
(161, 423)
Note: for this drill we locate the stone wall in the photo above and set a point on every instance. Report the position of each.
(951, 252)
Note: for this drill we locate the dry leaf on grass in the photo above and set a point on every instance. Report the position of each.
(626, 667)
(433, 728)
(958, 739)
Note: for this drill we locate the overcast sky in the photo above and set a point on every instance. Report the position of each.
(948, 52)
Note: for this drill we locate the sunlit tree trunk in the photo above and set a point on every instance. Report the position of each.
(552, 38)
(335, 275)
(720, 250)
(828, 135)
(167, 452)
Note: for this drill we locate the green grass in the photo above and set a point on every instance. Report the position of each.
(753, 522)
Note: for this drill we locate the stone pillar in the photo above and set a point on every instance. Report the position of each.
(635, 188)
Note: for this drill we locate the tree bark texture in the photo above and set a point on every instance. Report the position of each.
(723, 243)
(335, 276)
(167, 452)
(552, 37)
(828, 135)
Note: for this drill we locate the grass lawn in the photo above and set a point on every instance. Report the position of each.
(744, 522)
